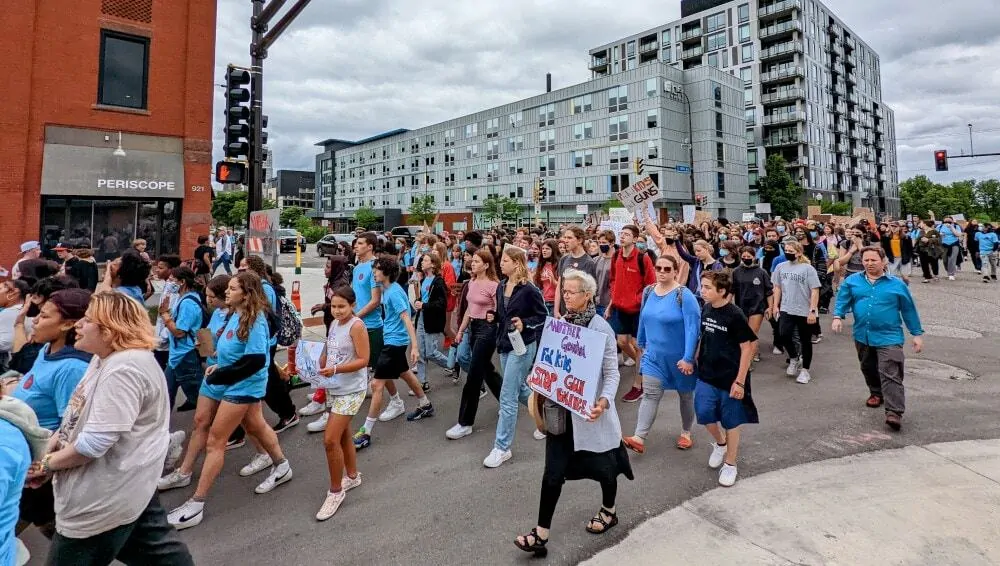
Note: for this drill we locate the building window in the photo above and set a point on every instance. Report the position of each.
(717, 95)
(449, 137)
(751, 115)
(583, 158)
(516, 167)
(746, 52)
(124, 70)
(492, 150)
(713, 60)
(717, 41)
(718, 124)
(472, 151)
(619, 157)
(492, 127)
(652, 87)
(744, 12)
(547, 115)
(720, 179)
(547, 165)
(665, 57)
(515, 143)
(744, 33)
(751, 158)
(583, 131)
(618, 128)
(652, 150)
(471, 130)
(746, 73)
(720, 154)
(515, 119)
(716, 21)
(666, 38)
(618, 98)
(748, 96)
(652, 118)
(547, 140)
(582, 104)
(492, 172)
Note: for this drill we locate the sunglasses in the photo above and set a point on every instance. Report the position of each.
(664, 269)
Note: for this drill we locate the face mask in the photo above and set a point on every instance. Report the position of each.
(781, 229)
(909, 225)
(399, 246)
(461, 246)
(981, 229)
(747, 262)
(669, 240)
(790, 257)
(33, 310)
(814, 234)
(640, 246)
(424, 249)
(723, 252)
(594, 255)
(605, 248)
(170, 287)
(723, 237)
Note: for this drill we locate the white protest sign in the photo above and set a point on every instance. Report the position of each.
(688, 210)
(958, 217)
(763, 208)
(568, 365)
(748, 216)
(641, 191)
(307, 356)
(581, 209)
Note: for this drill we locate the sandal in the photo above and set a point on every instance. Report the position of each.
(537, 546)
(874, 401)
(599, 520)
(635, 444)
(684, 442)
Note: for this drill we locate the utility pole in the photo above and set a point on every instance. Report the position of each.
(971, 150)
(687, 103)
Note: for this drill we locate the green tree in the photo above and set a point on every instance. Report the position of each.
(831, 207)
(778, 188)
(290, 216)
(921, 196)
(238, 214)
(987, 196)
(222, 208)
(365, 217)
(423, 210)
(314, 233)
(303, 224)
(609, 204)
(500, 209)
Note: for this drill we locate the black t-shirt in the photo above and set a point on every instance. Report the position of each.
(751, 286)
(199, 254)
(722, 331)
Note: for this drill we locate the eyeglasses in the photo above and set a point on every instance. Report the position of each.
(664, 269)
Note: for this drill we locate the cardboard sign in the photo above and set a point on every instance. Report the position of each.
(813, 211)
(641, 191)
(702, 216)
(763, 208)
(688, 213)
(307, 355)
(568, 365)
(748, 216)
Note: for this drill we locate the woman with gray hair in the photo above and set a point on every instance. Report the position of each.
(588, 448)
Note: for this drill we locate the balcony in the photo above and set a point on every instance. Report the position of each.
(838, 108)
(841, 148)
(844, 168)
(782, 95)
(852, 78)
(779, 8)
(690, 34)
(599, 64)
(834, 30)
(797, 162)
(856, 152)
(878, 112)
(853, 134)
(849, 42)
(778, 30)
(782, 118)
(852, 115)
(850, 60)
(880, 159)
(855, 171)
(835, 48)
(781, 74)
(781, 49)
(879, 144)
(781, 140)
(652, 47)
(693, 52)
(882, 177)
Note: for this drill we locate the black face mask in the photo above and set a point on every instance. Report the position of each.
(790, 257)
(747, 262)
(33, 310)
(605, 248)
(669, 240)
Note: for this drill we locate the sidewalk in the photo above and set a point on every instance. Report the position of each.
(929, 504)
(311, 282)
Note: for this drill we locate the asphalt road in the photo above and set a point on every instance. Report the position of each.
(429, 500)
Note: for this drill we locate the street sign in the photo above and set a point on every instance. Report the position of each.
(682, 169)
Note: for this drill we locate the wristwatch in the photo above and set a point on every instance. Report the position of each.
(45, 464)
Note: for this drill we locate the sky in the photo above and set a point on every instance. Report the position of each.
(350, 69)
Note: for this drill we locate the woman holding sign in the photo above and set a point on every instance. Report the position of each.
(589, 448)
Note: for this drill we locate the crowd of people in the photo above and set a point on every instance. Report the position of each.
(92, 374)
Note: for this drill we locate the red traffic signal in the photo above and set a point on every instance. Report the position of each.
(230, 173)
(941, 160)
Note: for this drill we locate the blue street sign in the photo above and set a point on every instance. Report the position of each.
(682, 169)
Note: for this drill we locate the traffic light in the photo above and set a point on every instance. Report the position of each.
(637, 165)
(237, 112)
(941, 160)
(231, 173)
(541, 190)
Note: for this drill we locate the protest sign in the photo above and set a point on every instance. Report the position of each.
(748, 216)
(641, 191)
(688, 213)
(702, 216)
(581, 209)
(568, 365)
(307, 356)
(762, 207)
(813, 211)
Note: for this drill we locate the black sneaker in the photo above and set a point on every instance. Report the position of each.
(424, 412)
(285, 424)
(235, 443)
(824, 310)
(426, 386)
(453, 374)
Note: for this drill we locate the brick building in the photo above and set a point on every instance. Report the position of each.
(106, 126)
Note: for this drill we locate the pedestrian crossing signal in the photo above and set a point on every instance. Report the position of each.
(230, 173)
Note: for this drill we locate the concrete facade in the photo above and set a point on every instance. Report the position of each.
(812, 90)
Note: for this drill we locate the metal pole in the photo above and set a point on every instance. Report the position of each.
(971, 151)
(687, 101)
(255, 197)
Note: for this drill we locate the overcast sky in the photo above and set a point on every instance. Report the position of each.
(350, 69)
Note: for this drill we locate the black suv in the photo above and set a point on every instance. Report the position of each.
(408, 233)
(287, 238)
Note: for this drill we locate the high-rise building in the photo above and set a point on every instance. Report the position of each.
(292, 188)
(579, 142)
(812, 90)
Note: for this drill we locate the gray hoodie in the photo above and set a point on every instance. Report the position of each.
(19, 414)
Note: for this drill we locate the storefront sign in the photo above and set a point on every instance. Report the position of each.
(568, 365)
(84, 171)
(135, 184)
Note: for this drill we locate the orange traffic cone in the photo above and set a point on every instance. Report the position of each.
(296, 296)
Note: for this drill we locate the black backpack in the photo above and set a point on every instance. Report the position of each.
(205, 315)
(638, 255)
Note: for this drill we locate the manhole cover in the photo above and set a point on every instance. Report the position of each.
(951, 332)
(916, 367)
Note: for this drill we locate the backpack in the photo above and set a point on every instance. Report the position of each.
(289, 322)
(636, 254)
(649, 289)
(205, 315)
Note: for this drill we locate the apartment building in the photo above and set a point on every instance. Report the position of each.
(580, 141)
(812, 90)
(292, 188)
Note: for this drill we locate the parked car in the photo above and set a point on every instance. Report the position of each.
(328, 244)
(408, 233)
(287, 238)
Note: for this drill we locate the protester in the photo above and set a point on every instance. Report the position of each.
(29, 250)
(631, 271)
(753, 293)
(547, 273)
(12, 296)
(796, 307)
(204, 256)
(181, 323)
(575, 258)
(223, 252)
(128, 275)
(83, 267)
(168, 298)
(431, 316)
(951, 235)
(23, 351)
(22, 442)
(879, 303)
(929, 249)
(986, 238)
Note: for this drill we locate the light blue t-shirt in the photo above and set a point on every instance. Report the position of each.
(215, 325)
(15, 457)
(363, 284)
(187, 317)
(948, 236)
(134, 292)
(229, 349)
(48, 387)
(425, 288)
(396, 303)
(987, 242)
(272, 299)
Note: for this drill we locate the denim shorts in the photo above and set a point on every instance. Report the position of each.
(713, 405)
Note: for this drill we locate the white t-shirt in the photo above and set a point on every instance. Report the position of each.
(124, 393)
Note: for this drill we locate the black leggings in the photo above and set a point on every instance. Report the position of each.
(787, 325)
(482, 344)
(928, 265)
(558, 452)
(277, 396)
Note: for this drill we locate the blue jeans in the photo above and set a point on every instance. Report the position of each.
(186, 375)
(427, 346)
(513, 392)
(464, 354)
(224, 260)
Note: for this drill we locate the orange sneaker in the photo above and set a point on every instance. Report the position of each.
(684, 442)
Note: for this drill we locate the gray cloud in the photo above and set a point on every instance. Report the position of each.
(353, 68)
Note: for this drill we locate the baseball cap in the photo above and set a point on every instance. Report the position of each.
(61, 247)
(29, 245)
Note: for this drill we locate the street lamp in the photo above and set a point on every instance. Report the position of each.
(971, 151)
(119, 152)
(679, 90)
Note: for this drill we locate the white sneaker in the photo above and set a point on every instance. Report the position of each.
(392, 411)
(187, 515)
(259, 463)
(313, 408)
(458, 431)
(496, 458)
(951, 278)
(717, 456)
(175, 449)
(347, 483)
(776, 351)
(318, 425)
(280, 474)
(727, 475)
(793, 367)
(803, 377)
(539, 435)
(173, 480)
(330, 505)
(629, 362)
